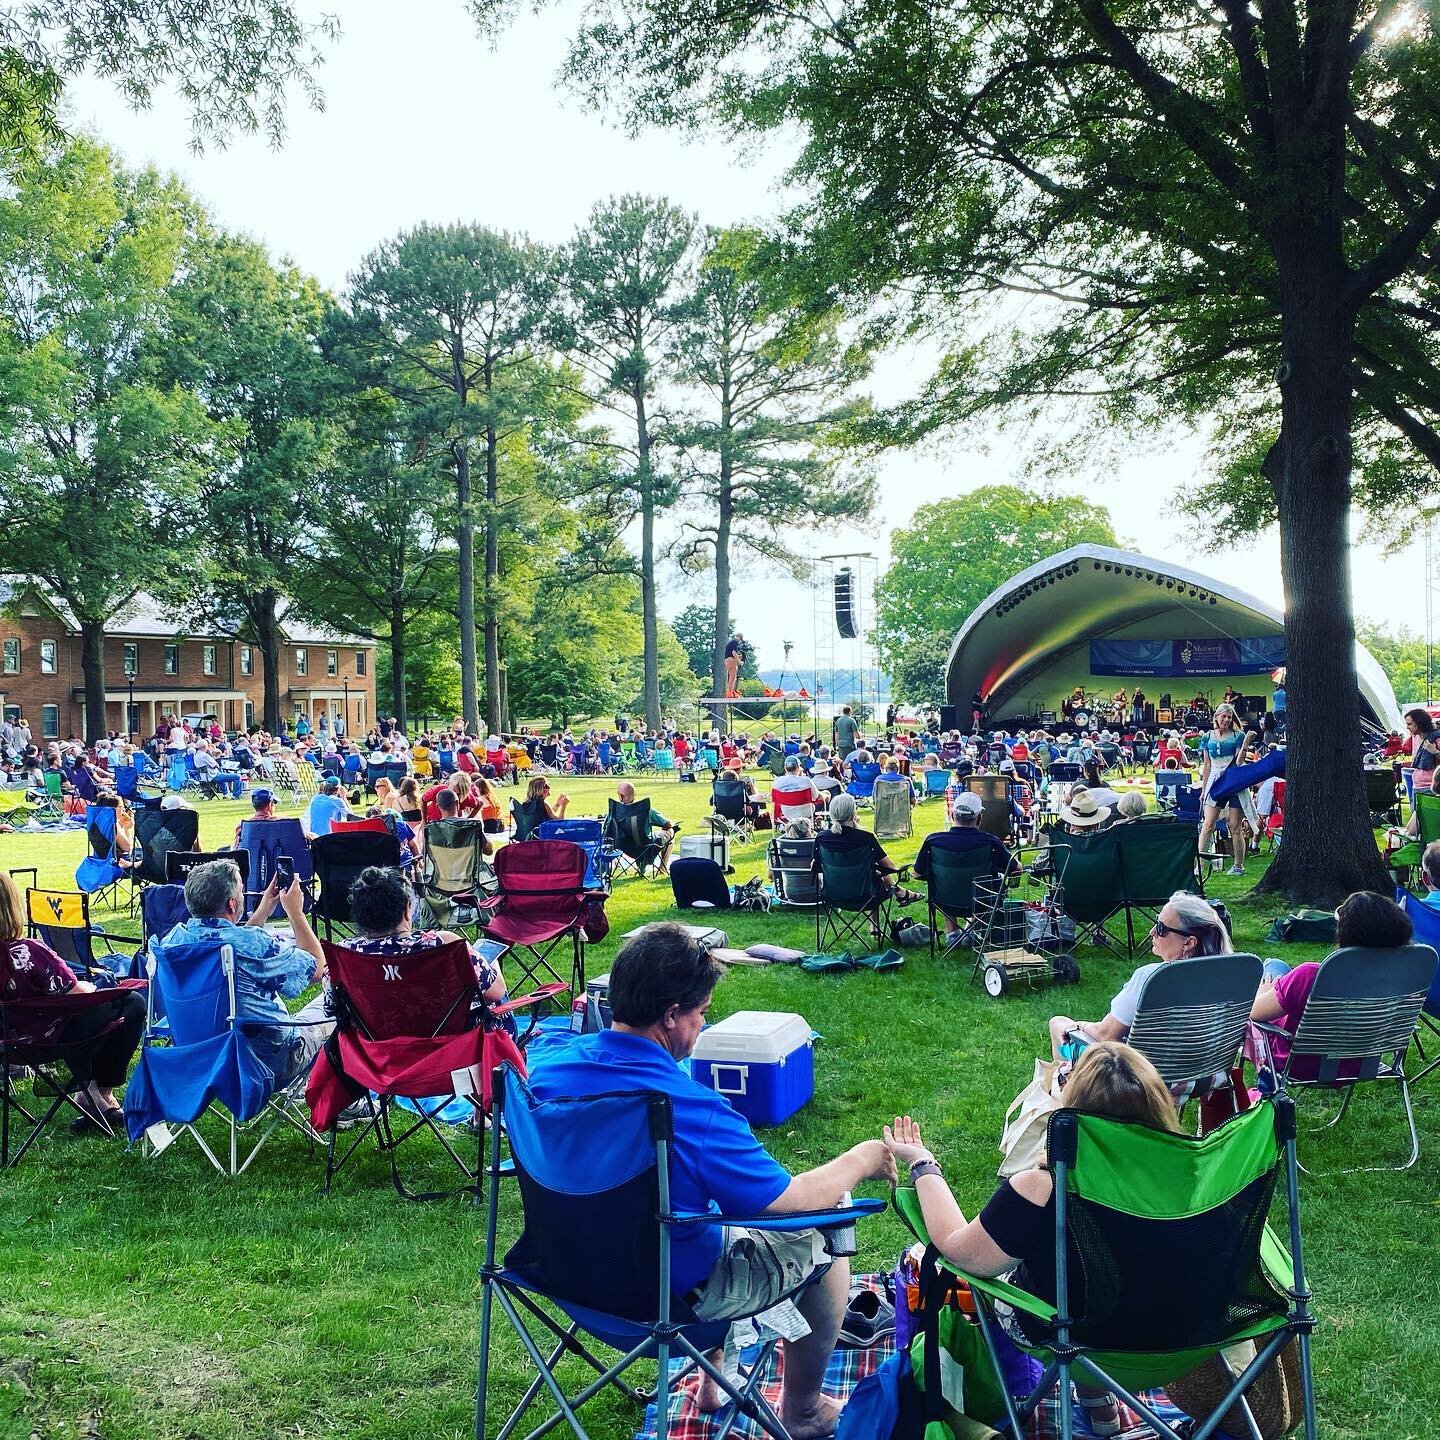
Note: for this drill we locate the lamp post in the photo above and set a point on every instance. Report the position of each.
(130, 708)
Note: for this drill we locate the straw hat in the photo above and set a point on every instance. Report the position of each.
(1083, 812)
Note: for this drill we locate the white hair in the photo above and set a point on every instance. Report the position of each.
(1203, 921)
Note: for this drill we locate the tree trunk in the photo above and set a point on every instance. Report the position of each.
(465, 538)
(647, 566)
(493, 699)
(397, 664)
(725, 714)
(92, 668)
(1329, 848)
(267, 637)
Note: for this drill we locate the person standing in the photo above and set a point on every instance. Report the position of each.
(845, 734)
(1222, 747)
(736, 652)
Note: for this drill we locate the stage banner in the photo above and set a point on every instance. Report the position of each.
(1214, 656)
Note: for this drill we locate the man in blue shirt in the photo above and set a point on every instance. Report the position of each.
(267, 966)
(966, 836)
(661, 985)
(325, 808)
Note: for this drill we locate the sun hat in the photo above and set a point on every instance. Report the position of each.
(1082, 811)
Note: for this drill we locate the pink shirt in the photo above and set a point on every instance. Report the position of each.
(1292, 991)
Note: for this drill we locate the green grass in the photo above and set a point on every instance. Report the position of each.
(153, 1299)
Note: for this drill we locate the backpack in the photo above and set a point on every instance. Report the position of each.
(1304, 927)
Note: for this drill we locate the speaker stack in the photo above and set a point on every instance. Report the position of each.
(949, 717)
(846, 620)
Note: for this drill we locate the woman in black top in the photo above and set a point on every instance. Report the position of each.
(846, 836)
(1016, 1229)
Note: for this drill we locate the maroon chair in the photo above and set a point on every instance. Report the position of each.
(540, 909)
(32, 1032)
(407, 1025)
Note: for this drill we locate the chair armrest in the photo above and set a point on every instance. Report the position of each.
(523, 1002)
(1266, 1027)
(835, 1219)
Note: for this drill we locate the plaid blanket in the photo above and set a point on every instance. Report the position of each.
(846, 1370)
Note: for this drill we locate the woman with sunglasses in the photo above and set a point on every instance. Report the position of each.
(1187, 926)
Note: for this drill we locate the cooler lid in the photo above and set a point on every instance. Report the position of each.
(759, 1037)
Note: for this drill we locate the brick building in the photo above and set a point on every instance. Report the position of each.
(194, 671)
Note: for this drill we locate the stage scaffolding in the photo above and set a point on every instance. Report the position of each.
(843, 666)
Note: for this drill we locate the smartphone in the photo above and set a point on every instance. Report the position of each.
(284, 872)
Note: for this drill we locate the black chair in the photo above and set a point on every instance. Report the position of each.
(159, 833)
(179, 863)
(695, 879)
(852, 899)
(950, 877)
(527, 817)
(731, 802)
(792, 870)
(628, 833)
(339, 859)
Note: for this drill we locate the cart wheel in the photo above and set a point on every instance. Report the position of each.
(996, 980)
(1067, 971)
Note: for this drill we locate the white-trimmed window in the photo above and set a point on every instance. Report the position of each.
(332, 662)
(207, 660)
(132, 658)
(172, 659)
(50, 660)
(302, 661)
(247, 661)
(10, 656)
(360, 658)
(50, 722)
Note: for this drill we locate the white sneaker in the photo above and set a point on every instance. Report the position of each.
(1236, 870)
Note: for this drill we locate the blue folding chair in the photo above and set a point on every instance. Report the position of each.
(589, 835)
(266, 842)
(202, 1058)
(101, 871)
(1426, 925)
(1168, 785)
(601, 1166)
(862, 781)
(937, 782)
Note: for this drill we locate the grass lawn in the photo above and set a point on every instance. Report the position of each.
(154, 1299)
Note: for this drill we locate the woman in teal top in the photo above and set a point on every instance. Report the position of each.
(1223, 747)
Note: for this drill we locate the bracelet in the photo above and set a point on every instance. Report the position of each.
(924, 1167)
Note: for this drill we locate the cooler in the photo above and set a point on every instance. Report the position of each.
(712, 844)
(761, 1061)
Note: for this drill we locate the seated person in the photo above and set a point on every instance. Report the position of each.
(861, 772)
(400, 829)
(890, 775)
(1430, 875)
(1130, 808)
(381, 902)
(422, 759)
(662, 831)
(964, 834)
(844, 834)
(31, 970)
(1100, 792)
(325, 808)
(1016, 1229)
(1187, 926)
(793, 792)
(540, 786)
(1363, 918)
(753, 803)
(262, 803)
(823, 781)
(267, 967)
(661, 985)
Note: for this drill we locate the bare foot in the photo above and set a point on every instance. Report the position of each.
(709, 1397)
(817, 1421)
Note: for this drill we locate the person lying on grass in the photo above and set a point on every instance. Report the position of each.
(1016, 1229)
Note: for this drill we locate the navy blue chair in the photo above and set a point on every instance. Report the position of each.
(599, 1166)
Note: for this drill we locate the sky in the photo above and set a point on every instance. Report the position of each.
(424, 121)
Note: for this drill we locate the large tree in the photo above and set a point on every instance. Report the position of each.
(764, 444)
(246, 340)
(1171, 211)
(626, 287)
(100, 454)
(950, 556)
(451, 315)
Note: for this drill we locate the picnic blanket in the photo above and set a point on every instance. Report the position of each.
(846, 1370)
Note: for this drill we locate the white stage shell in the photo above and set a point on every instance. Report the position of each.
(1028, 645)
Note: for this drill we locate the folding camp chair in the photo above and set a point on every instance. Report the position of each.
(32, 1032)
(102, 870)
(730, 800)
(589, 835)
(950, 883)
(1191, 1020)
(455, 871)
(339, 858)
(1357, 1025)
(61, 920)
(1426, 924)
(1176, 1262)
(1168, 784)
(179, 864)
(893, 803)
(1141, 753)
(627, 832)
(601, 1166)
(696, 880)
(1157, 858)
(158, 834)
(791, 863)
(937, 782)
(861, 785)
(539, 910)
(851, 898)
(997, 816)
(407, 1026)
(267, 842)
(207, 1062)
(1381, 795)
(1427, 810)
(1089, 866)
(527, 816)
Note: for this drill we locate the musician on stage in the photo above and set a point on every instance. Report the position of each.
(736, 652)
(1073, 702)
(1231, 697)
(1137, 707)
(1117, 706)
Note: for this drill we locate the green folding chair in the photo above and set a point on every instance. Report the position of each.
(1157, 858)
(950, 883)
(1094, 885)
(851, 894)
(1164, 1257)
(1427, 807)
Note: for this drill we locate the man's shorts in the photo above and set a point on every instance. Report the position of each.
(758, 1269)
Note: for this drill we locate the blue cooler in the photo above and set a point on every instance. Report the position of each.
(761, 1061)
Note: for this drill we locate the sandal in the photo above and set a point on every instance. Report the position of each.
(109, 1122)
(903, 897)
(1104, 1428)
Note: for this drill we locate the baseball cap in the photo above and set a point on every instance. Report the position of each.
(967, 803)
(261, 798)
(330, 782)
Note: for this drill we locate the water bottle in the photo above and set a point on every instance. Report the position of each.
(842, 1239)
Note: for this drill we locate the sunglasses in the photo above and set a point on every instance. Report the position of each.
(1160, 930)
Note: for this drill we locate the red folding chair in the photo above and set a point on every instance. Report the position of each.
(372, 825)
(32, 1033)
(540, 909)
(407, 1026)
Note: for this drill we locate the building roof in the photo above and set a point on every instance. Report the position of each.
(1028, 643)
(145, 618)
